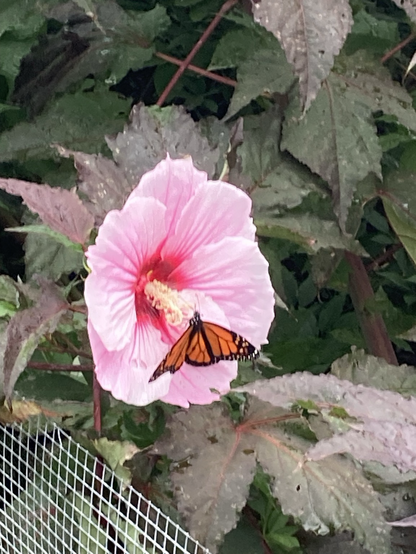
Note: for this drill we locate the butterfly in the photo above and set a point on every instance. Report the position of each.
(203, 344)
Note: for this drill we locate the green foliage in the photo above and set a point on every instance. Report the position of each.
(262, 513)
(274, 524)
(146, 432)
(82, 117)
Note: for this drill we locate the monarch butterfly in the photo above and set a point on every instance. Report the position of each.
(205, 343)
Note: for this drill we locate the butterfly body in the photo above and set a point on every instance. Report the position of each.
(203, 344)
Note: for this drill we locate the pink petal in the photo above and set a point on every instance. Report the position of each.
(126, 240)
(172, 182)
(119, 373)
(197, 236)
(217, 210)
(193, 384)
(148, 349)
(234, 274)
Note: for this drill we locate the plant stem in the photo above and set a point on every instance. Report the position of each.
(383, 258)
(398, 47)
(44, 366)
(372, 325)
(224, 8)
(199, 70)
(96, 391)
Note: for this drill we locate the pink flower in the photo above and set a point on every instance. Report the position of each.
(180, 243)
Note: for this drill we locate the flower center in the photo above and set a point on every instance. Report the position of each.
(165, 299)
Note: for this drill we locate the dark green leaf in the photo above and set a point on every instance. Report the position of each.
(80, 118)
(9, 291)
(231, 49)
(371, 33)
(105, 42)
(374, 87)
(403, 224)
(309, 231)
(46, 256)
(142, 434)
(23, 17)
(341, 154)
(330, 313)
(402, 186)
(306, 354)
(244, 538)
(52, 386)
(324, 264)
(11, 53)
(264, 71)
(44, 230)
(279, 182)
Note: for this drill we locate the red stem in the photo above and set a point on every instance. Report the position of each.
(398, 47)
(199, 70)
(224, 8)
(79, 309)
(383, 258)
(372, 324)
(60, 367)
(96, 390)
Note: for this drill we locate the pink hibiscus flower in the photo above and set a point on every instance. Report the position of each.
(180, 243)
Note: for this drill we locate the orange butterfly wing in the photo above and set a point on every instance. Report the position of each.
(205, 344)
(175, 357)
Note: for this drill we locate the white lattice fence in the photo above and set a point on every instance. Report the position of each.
(57, 498)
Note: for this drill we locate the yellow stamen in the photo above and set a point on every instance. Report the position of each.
(168, 300)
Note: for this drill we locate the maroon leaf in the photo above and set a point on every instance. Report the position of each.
(101, 180)
(385, 432)
(311, 32)
(220, 469)
(25, 330)
(386, 442)
(152, 133)
(327, 391)
(216, 460)
(60, 209)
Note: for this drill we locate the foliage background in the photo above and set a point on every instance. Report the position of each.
(315, 118)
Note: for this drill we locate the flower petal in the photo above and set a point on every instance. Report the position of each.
(192, 235)
(148, 348)
(119, 373)
(217, 210)
(173, 183)
(193, 384)
(234, 274)
(126, 240)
